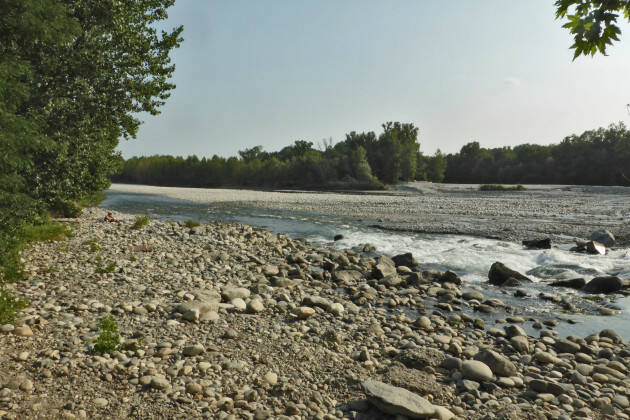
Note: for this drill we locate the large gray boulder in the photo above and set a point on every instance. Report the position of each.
(604, 237)
(397, 401)
(500, 274)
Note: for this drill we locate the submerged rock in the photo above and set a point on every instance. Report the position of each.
(573, 283)
(607, 284)
(499, 274)
(538, 243)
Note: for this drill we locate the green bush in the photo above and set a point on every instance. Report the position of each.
(191, 224)
(109, 268)
(499, 187)
(9, 306)
(52, 231)
(109, 339)
(141, 221)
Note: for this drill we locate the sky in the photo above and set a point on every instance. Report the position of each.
(270, 72)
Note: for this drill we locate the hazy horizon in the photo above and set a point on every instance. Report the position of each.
(272, 72)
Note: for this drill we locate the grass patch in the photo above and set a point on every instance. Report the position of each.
(52, 231)
(10, 306)
(141, 221)
(109, 268)
(133, 259)
(109, 339)
(93, 246)
(499, 187)
(191, 224)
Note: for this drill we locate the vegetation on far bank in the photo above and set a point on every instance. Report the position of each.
(499, 187)
(368, 161)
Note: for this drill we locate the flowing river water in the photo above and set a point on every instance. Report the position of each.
(470, 257)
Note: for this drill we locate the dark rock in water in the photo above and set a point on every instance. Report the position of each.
(604, 237)
(538, 243)
(499, 274)
(521, 293)
(369, 248)
(405, 259)
(512, 282)
(595, 248)
(573, 283)
(608, 284)
(338, 237)
(450, 277)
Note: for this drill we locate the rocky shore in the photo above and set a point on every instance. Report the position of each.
(226, 321)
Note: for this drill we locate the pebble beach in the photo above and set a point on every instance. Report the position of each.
(227, 321)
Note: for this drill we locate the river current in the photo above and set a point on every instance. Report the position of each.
(470, 257)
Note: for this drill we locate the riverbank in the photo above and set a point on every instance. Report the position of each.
(226, 321)
(557, 211)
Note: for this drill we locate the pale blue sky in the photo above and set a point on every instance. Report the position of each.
(269, 72)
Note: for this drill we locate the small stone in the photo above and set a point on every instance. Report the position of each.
(476, 370)
(304, 312)
(100, 402)
(270, 378)
(23, 331)
(26, 385)
(255, 306)
(193, 388)
(193, 350)
(160, 383)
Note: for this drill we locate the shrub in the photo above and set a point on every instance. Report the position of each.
(52, 231)
(499, 187)
(93, 245)
(191, 224)
(141, 221)
(107, 269)
(9, 306)
(109, 339)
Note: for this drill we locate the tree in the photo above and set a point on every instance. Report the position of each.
(74, 76)
(593, 23)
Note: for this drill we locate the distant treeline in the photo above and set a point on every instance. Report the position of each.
(367, 161)
(362, 160)
(595, 157)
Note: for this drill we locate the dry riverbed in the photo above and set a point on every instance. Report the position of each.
(225, 321)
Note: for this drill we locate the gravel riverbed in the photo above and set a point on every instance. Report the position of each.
(226, 321)
(559, 212)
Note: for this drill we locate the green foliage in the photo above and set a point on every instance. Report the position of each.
(191, 224)
(93, 245)
(74, 76)
(51, 231)
(109, 339)
(595, 157)
(100, 269)
(141, 221)
(499, 187)
(593, 23)
(361, 161)
(10, 306)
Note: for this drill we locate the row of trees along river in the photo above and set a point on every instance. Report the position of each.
(367, 161)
